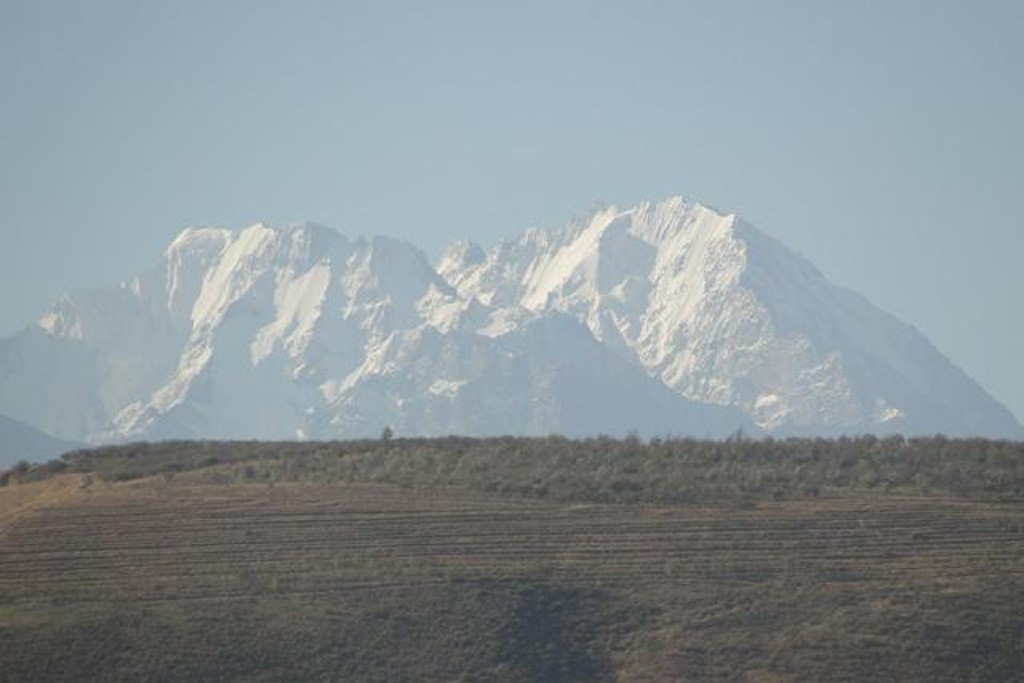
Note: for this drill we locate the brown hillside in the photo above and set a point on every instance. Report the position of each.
(177, 578)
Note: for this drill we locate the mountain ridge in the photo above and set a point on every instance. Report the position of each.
(23, 442)
(305, 332)
(764, 309)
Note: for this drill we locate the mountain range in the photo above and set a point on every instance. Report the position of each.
(664, 318)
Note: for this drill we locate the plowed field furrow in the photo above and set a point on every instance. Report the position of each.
(146, 546)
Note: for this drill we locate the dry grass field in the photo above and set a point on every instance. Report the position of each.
(210, 576)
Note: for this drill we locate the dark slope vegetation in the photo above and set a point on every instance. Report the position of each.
(736, 471)
(517, 560)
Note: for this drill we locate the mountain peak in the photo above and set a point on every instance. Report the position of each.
(199, 238)
(723, 313)
(320, 235)
(463, 254)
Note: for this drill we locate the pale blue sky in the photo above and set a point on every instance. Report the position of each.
(883, 140)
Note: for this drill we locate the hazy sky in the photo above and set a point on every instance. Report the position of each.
(883, 140)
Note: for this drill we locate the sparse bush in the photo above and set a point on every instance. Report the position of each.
(737, 471)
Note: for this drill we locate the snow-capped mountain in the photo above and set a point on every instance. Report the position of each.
(665, 318)
(724, 314)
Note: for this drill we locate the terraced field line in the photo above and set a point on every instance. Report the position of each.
(21, 499)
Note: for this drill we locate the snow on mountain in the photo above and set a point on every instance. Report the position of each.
(666, 318)
(97, 350)
(547, 375)
(282, 318)
(724, 314)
